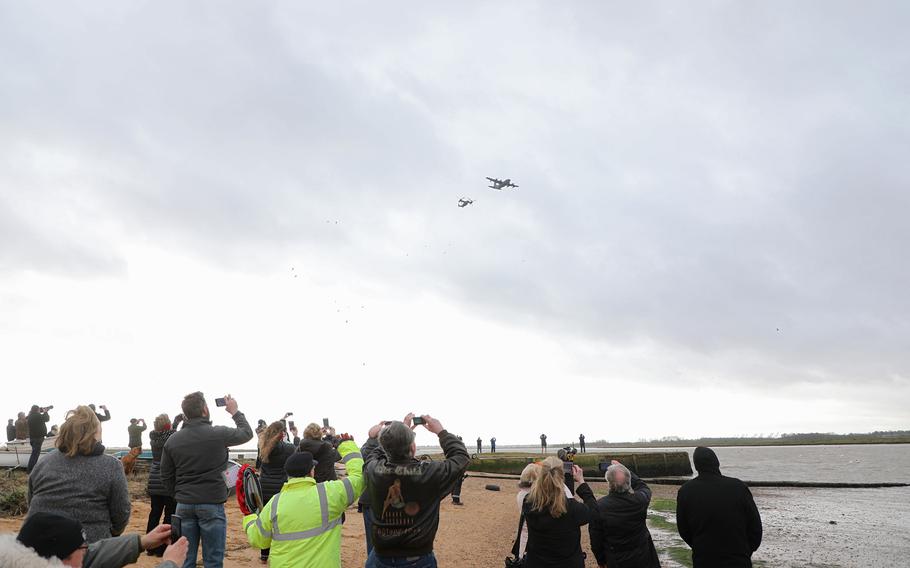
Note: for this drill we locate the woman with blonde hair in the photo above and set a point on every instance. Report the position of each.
(525, 482)
(80, 480)
(554, 520)
(323, 451)
(274, 451)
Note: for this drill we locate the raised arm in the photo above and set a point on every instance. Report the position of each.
(353, 483)
(641, 489)
(242, 433)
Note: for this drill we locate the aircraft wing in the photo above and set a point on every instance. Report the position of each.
(494, 180)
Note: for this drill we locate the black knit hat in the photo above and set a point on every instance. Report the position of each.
(51, 535)
(300, 464)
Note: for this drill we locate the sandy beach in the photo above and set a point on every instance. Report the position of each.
(477, 535)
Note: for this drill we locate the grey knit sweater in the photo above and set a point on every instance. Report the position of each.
(91, 489)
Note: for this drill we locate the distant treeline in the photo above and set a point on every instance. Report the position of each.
(811, 438)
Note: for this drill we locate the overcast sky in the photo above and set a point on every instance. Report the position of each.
(709, 237)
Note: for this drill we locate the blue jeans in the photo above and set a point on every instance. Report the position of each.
(36, 453)
(368, 526)
(425, 561)
(206, 522)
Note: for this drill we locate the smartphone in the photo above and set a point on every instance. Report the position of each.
(291, 424)
(220, 402)
(418, 420)
(325, 422)
(176, 528)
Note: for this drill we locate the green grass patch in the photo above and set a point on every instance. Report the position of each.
(660, 522)
(665, 505)
(680, 554)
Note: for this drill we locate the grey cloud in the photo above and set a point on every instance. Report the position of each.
(696, 178)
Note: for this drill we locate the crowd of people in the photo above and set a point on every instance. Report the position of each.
(79, 504)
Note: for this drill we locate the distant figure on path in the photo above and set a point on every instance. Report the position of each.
(135, 431)
(581, 443)
(493, 445)
(10, 431)
(543, 443)
(479, 444)
(101, 417)
(716, 515)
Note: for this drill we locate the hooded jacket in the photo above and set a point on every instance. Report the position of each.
(405, 495)
(716, 516)
(108, 553)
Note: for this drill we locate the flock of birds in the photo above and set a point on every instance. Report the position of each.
(495, 183)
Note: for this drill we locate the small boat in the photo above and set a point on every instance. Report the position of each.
(17, 453)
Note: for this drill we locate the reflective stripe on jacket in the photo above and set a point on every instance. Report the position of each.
(302, 523)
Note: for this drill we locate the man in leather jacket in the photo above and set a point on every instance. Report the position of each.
(405, 493)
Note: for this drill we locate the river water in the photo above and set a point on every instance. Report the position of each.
(806, 527)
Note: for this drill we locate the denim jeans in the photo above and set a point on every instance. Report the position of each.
(368, 526)
(206, 522)
(36, 453)
(425, 561)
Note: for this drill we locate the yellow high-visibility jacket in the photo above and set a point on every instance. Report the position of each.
(302, 523)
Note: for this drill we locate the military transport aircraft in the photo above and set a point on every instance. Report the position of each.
(500, 184)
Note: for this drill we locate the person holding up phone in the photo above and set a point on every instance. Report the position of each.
(405, 492)
(192, 467)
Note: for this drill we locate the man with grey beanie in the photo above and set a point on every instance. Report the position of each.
(405, 492)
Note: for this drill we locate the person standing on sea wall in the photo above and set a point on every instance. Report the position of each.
(581, 443)
(479, 444)
(493, 445)
(10, 431)
(22, 427)
(37, 430)
(716, 515)
(543, 443)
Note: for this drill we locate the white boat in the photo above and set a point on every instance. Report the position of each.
(17, 452)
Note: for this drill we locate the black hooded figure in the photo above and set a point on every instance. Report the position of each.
(717, 516)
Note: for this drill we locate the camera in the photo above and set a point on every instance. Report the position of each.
(418, 420)
(220, 402)
(325, 422)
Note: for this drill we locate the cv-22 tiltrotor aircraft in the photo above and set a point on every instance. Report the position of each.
(464, 202)
(500, 184)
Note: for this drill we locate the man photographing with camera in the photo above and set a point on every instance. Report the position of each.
(37, 431)
(405, 492)
(193, 461)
